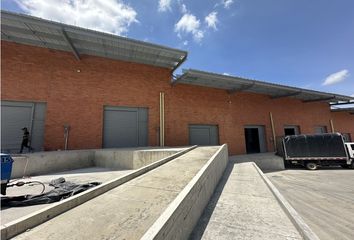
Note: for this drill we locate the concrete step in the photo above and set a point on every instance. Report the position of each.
(129, 210)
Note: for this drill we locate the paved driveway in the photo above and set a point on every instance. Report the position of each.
(324, 198)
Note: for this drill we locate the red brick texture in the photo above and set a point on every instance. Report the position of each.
(78, 98)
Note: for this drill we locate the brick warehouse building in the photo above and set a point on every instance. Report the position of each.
(116, 92)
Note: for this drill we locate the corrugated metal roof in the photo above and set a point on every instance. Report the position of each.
(345, 109)
(236, 84)
(35, 31)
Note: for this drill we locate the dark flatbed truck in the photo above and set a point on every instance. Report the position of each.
(313, 151)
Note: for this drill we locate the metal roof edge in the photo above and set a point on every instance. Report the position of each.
(60, 26)
(186, 72)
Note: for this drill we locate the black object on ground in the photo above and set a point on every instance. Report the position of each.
(62, 190)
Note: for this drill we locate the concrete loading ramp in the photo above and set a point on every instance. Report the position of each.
(246, 205)
(128, 211)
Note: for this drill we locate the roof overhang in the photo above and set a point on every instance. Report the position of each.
(237, 84)
(349, 110)
(39, 32)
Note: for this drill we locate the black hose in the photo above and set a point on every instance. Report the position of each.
(30, 183)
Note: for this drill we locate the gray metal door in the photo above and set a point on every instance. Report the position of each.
(125, 127)
(15, 116)
(203, 135)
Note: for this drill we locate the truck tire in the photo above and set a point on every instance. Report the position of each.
(352, 165)
(311, 166)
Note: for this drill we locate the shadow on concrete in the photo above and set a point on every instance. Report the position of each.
(209, 209)
(301, 168)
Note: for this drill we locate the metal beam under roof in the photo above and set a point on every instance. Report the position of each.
(291, 94)
(68, 41)
(240, 89)
(320, 99)
(232, 84)
(39, 32)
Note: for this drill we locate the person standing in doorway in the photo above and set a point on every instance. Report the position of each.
(25, 140)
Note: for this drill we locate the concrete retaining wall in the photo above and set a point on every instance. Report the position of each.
(128, 159)
(179, 219)
(265, 161)
(57, 161)
(47, 162)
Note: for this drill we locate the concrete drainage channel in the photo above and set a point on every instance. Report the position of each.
(27, 222)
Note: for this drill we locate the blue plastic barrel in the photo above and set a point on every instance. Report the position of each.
(6, 167)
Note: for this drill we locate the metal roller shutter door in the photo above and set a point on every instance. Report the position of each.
(125, 127)
(15, 116)
(203, 135)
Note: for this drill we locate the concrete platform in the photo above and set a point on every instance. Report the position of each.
(40, 163)
(324, 198)
(265, 161)
(243, 207)
(85, 175)
(127, 211)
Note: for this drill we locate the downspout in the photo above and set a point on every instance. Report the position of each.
(273, 131)
(162, 119)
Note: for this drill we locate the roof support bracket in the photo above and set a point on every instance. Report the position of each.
(240, 89)
(286, 95)
(70, 44)
(320, 99)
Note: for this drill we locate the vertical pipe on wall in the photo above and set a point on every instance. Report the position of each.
(273, 131)
(332, 127)
(162, 119)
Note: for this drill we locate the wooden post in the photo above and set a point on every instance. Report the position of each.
(332, 127)
(273, 131)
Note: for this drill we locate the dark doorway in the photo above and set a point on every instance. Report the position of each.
(289, 131)
(252, 140)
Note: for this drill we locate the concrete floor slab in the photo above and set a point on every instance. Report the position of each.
(127, 211)
(243, 207)
(85, 175)
(324, 199)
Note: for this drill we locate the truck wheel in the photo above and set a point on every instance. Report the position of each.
(311, 166)
(352, 165)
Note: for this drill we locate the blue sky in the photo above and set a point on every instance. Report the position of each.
(301, 43)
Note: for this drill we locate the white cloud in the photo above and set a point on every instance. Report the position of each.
(183, 8)
(352, 95)
(336, 77)
(109, 16)
(164, 5)
(211, 20)
(227, 3)
(185, 43)
(226, 74)
(189, 24)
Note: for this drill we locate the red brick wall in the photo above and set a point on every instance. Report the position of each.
(343, 122)
(77, 98)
